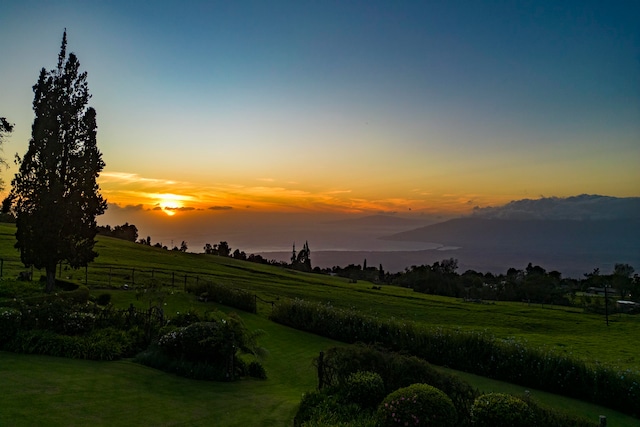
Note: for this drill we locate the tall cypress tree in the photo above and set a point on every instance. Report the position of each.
(55, 194)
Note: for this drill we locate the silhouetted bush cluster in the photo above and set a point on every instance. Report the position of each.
(475, 352)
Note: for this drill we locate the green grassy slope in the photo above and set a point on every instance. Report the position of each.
(81, 392)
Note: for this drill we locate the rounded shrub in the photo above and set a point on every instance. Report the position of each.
(496, 409)
(417, 405)
(364, 388)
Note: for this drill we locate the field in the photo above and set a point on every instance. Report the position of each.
(69, 392)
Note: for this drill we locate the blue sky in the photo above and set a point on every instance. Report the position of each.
(353, 107)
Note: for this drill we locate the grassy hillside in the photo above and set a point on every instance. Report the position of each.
(563, 329)
(70, 392)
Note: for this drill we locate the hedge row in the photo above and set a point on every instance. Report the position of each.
(222, 294)
(476, 352)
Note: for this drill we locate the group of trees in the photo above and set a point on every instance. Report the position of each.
(532, 283)
(125, 231)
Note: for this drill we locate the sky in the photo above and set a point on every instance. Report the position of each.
(224, 112)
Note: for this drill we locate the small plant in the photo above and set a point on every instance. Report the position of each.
(417, 405)
(364, 388)
(495, 409)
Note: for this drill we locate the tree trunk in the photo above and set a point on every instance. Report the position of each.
(51, 279)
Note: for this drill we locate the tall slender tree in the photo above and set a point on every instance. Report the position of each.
(55, 194)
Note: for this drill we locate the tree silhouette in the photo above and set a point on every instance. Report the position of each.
(55, 194)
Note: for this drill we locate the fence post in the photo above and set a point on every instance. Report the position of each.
(185, 283)
(603, 421)
(133, 276)
(321, 370)
(173, 278)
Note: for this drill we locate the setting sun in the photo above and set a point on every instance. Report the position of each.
(170, 203)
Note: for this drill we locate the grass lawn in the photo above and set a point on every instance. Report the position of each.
(50, 391)
(41, 390)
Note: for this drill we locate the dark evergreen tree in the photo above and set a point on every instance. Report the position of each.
(55, 193)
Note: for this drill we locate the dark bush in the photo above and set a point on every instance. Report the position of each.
(185, 318)
(256, 370)
(222, 294)
(366, 389)
(418, 405)
(103, 299)
(396, 370)
(498, 409)
(104, 344)
(326, 409)
(10, 320)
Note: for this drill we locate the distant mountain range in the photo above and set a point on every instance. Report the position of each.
(573, 235)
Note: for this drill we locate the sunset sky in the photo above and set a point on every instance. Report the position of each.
(211, 109)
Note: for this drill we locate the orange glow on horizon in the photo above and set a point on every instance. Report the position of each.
(174, 197)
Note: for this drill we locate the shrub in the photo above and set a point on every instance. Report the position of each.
(364, 388)
(10, 320)
(185, 318)
(326, 409)
(103, 299)
(417, 405)
(238, 298)
(256, 370)
(496, 409)
(396, 370)
(104, 344)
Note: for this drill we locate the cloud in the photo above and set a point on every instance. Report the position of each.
(220, 208)
(583, 207)
(115, 206)
(180, 208)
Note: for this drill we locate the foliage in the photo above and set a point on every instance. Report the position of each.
(417, 405)
(102, 344)
(237, 298)
(494, 409)
(215, 342)
(10, 320)
(328, 409)
(125, 231)
(476, 352)
(396, 370)
(55, 194)
(366, 389)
